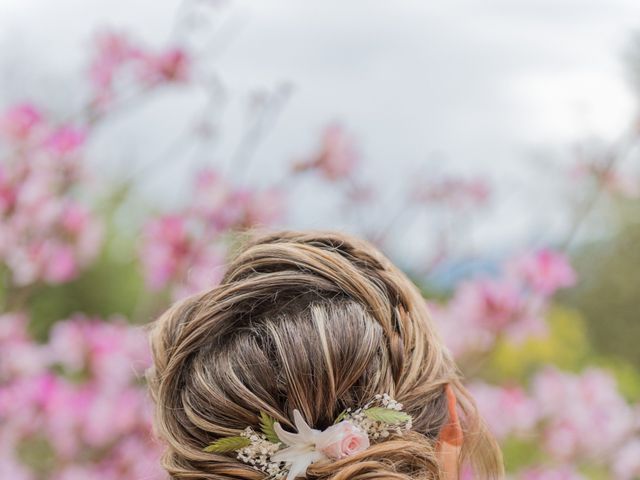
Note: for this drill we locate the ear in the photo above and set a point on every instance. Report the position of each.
(451, 433)
(450, 440)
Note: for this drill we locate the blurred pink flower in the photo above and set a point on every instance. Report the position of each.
(460, 334)
(112, 49)
(172, 252)
(166, 247)
(19, 122)
(46, 234)
(337, 156)
(557, 473)
(120, 63)
(507, 410)
(83, 344)
(11, 469)
(482, 309)
(65, 140)
(20, 357)
(495, 304)
(454, 192)
(215, 201)
(264, 208)
(47, 244)
(170, 66)
(577, 406)
(61, 265)
(626, 462)
(186, 251)
(222, 206)
(545, 271)
(8, 192)
(607, 177)
(81, 472)
(85, 400)
(511, 304)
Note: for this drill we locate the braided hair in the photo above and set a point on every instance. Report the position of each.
(317, 322)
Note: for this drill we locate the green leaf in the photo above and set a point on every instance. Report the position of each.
(266, 425)
(340, 417)
(227, 444)
(386, 415)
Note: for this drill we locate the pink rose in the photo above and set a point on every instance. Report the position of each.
(342, 440)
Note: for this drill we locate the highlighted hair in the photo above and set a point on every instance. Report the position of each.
(317, 322)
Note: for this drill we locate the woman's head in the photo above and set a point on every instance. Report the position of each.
(316, 322)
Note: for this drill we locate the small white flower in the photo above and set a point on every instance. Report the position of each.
(301, 451)
(310, 445)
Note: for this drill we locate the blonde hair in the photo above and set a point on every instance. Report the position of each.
(313, 321)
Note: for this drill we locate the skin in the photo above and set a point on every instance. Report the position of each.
(450, 440)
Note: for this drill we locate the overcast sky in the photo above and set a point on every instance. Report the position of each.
(438, 86)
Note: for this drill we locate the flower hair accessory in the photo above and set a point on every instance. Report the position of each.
(287, 455)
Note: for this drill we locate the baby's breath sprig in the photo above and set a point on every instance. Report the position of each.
(254, 448)
(378, 419)
(258, 454)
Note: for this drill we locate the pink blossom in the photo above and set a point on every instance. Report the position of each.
(174, 252)
(511, 304)
(263, 208)
(558, 473)
(608, 177)
(20, 356)
(170, 66)
(216, 201)
(226, 207)
(139, 456)
(80, 472)
(576, 406)
(507, 410)
(97, 347)
(78, 223)
(626, 461)
(20, 121)
(337, 156)
(482, 309)
(49, 253)
(165, 250)
(460, 332)
(204, 272)
(186, 251)
(112, 414)
(120, 62)
(455, 192)
(545, 271)
(47, 234)
(98, 424)
(10, 468)
(342, 440)
(65, 140)
(113, 50)
(8, 192)
(62, 265)
(496, 304)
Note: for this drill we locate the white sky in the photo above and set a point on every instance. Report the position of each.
(477, 87)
